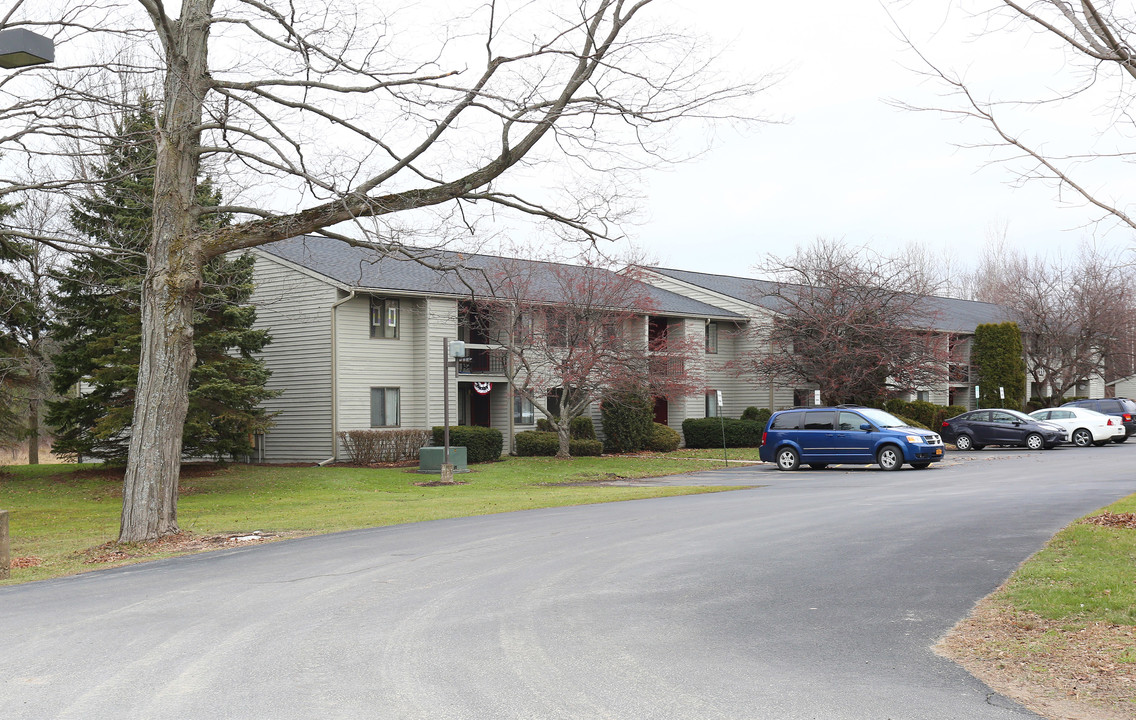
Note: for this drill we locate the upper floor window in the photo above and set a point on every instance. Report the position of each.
(385, 318)
(712, 338)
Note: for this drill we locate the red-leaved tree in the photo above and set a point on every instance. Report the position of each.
(575, 334)
(855, 323)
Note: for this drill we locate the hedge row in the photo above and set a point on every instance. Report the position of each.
(928, 414)
(534, 443)
(581, 428)
(481, 444)
(707, 432)
(367, 447)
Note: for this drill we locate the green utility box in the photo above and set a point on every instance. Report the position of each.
(430, 459)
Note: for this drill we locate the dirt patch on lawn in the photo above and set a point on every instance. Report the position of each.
(1059, 670)
(180, 544)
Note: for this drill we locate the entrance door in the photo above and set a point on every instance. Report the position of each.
(479, 408)
(661, 410)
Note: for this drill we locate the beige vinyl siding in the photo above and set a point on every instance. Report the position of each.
(412, 362)
(365, 362)
(295, 308)
(441, 322)
(701, 294)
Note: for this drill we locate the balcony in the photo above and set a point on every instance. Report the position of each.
(663, 365)
(958, 372)
(483, 361)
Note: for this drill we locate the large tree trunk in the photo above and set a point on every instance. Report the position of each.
(173, 280)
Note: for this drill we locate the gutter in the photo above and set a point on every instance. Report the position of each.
(335, 383)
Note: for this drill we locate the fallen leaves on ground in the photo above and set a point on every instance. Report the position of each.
(1059, 671)
(180, 543)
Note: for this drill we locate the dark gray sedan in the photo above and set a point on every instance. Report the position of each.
(998, 426)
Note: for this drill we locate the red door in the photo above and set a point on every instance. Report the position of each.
(661, 410)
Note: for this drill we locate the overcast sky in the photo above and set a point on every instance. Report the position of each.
(848, 165)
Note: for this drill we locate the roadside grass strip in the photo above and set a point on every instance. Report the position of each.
(1060, 634)
(63, 519)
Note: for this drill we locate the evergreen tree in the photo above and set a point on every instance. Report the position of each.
(1000, 364)
(99, 328)
(12, 376)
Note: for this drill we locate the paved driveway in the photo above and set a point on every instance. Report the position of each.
(816, 594)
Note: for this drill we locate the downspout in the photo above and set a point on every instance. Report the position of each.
(335, 383)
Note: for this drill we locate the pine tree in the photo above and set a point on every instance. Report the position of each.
(98, 301)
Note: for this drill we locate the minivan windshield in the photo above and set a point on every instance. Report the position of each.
(881, 419)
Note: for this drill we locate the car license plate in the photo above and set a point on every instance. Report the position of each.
(938, 451)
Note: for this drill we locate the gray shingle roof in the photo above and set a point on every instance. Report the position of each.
(454, 274)
(946, 314)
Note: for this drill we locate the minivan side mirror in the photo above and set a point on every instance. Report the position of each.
(866, 426)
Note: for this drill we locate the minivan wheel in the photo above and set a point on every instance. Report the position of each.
(1082, 437)
(889, 457)
(1035, 441)
(963, 442)
(788, 459)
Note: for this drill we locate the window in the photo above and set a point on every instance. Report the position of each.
(787, 421)
(712, 338)
(712, 404)
(922, 396)
(385, 316)
(819, 420)
(384, 407)
(523, 411)
(850, 421)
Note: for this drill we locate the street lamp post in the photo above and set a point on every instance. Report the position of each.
(21, 48)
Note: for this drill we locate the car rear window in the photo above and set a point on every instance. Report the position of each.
(787, 421)
(1128, 405)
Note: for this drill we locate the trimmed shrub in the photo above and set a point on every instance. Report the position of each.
(581, 428)
(756, 414)
(532, 443)
(539, 443)
(707, 432)
(582, 447)
(925, 414)
(997, 357)
(628, 419)
(481, 444)
(367, 447)
(663, 439)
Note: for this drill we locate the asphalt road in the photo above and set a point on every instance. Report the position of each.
(816, 594)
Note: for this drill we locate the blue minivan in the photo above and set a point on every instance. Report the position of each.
(819, 436)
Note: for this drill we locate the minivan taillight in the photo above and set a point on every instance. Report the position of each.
(946, 424)
(763, 436)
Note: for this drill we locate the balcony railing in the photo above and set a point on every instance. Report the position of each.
(660, 365)
(959, 372)
(482, 362)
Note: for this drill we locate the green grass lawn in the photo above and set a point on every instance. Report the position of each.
(64, 515)
(1085, 574)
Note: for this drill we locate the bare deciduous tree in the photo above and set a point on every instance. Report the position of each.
(327, 117)
(577, 333)
(1096, 39)
(1075, 314)
(849, 320)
